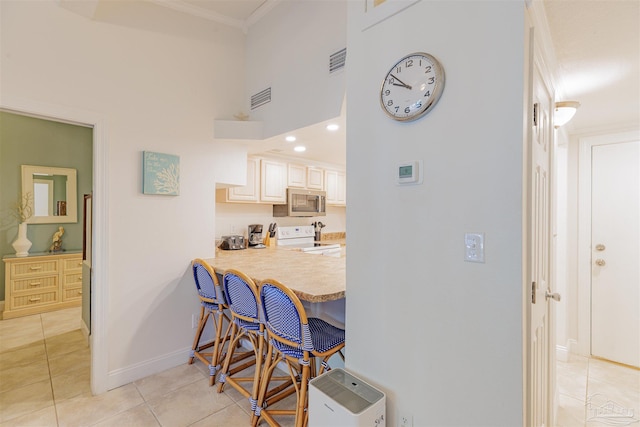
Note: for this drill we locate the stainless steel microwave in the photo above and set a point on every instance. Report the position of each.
(302, 202)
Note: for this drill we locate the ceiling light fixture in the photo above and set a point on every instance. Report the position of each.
(300, 148)
(333, 127)
(564, 112)
(290, 138)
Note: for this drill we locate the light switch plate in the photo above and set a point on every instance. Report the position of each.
(474, 247)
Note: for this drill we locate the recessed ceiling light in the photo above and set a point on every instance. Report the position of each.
(300, 148)
(290, 138)
(333, 127)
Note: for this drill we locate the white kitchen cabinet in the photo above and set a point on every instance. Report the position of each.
(244, 193)
(336, 187)
(315, 178)
(297, 175)
(273, 181)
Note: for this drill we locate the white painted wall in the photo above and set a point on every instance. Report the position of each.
(441, 336)
(560, 252)
(288, 50)
(159, 89)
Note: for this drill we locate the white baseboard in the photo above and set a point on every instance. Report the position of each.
(85, 332)
(563, 352)
(132, 373)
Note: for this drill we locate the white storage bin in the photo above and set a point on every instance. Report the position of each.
(338, 399)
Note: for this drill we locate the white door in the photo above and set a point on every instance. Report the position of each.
(541, 349)
(615, 252)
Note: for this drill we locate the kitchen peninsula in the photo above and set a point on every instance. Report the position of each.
(313, 278)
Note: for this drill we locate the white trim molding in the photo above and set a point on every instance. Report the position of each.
(100, 250)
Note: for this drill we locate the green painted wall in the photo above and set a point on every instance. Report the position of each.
(32, 141)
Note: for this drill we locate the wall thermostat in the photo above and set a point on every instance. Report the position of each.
(409, 172)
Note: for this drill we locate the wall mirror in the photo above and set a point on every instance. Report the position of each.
(53, 194)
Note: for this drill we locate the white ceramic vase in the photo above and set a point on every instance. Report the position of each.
(22, 244)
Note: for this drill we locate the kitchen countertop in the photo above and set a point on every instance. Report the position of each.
(313, 278)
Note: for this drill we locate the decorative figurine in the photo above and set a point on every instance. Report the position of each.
(56, 246)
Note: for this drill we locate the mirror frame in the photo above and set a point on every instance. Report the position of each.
(72, 194)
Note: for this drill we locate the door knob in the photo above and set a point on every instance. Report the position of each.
(600, 262)
(554, 296)
(600, 247)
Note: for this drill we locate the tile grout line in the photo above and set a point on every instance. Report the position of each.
(46, 352)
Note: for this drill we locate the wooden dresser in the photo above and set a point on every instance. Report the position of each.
(42, 282)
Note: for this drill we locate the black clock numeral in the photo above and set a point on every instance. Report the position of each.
(427, 93)
(407, 110)
(427, 69)
(409, 63)
(398, 69)
(387, 92)
(432, 80)
(390, 102)
(397, 108)
(391, 80)
(418, 104)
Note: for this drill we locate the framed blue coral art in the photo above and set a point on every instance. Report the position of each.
(160, 174)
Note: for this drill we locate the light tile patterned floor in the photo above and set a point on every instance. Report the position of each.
(44, 381)
(594, 392)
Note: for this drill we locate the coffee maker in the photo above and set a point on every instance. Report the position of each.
(255, 236)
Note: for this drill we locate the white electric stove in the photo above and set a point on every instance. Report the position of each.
(301, 238)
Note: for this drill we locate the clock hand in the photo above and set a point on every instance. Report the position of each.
(403, 84)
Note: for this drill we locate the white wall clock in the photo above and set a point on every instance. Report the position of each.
(412, 87)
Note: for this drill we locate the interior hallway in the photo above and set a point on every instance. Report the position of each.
(44, 381)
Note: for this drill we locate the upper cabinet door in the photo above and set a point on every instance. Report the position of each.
(273, 181)
(249, 192)
(315, 178)
(297, 176)
(336, 186)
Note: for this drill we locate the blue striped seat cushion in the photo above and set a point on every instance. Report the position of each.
(324, 336)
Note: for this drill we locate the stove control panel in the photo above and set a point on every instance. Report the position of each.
(295, 232)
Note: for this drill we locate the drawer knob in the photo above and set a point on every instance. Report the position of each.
(79, 292)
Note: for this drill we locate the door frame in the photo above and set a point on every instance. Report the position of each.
(583, 284)
(99, 295)
(536, 54)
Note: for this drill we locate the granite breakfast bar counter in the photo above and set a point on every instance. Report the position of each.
(313, 278)
(319, 281)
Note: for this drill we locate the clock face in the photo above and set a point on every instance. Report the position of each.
(412, 87)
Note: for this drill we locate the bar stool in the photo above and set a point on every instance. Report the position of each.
(242, 298)
(212, 306)
(297, 341)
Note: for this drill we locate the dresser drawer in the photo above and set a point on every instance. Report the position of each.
(74, 264)
(34, 284)
(73, 280)
(26, 269)
(72, 294)
(32, 300)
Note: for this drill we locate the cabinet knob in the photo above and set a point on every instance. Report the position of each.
(600, 262)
